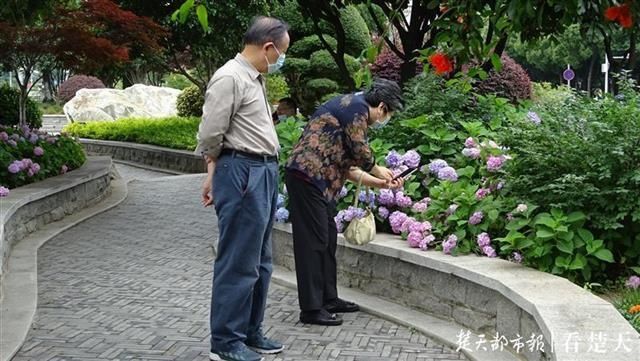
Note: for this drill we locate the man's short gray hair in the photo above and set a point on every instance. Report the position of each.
(264, 30)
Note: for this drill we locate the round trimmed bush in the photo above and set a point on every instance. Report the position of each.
(190, 102)
(368, 19)
(306, 46)
(512, 82)
(10, 108)
(355, 30)
(387, 66)
(322, 86)
(69, 88)
(322, 65)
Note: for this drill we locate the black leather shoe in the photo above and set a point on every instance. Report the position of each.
(341, 306)
(321, 317)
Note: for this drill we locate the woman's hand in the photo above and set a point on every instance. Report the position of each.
(382, 173)
(395, 184)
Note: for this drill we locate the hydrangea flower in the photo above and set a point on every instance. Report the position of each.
(448, 173)
(64, 169)
(516, 257)
(406, 224)
(426, 241)
(419, 207)
(396, 219)
(521, 208)
(33, 138)
(4, 136)
(470, 143)
(30, 172)
(476, 218)
(414, 239)
(12, 143)
(38, 151)
(383, 212)
(280, 201)
(4, 192)
(403, 201)
(452, 209)
(419, 227)
(450, 243)
(534, 118)
(633, 282)
(489, 251)
(393, 159)
(482, 193)
(282, 215)
(35, 168)
(15, 167)
(436, 165)
(484, 239)
(473, 153)
(411, 159)
(386, 198)
(494, 163)
(510, 217)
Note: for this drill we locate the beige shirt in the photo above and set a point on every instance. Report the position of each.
(236, 113)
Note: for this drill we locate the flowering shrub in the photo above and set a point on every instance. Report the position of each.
(29, 155)
(69, 88)
(629, 302)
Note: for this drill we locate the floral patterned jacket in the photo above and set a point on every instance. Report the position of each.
(334, 140)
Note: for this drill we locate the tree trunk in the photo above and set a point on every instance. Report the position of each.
(589, 77)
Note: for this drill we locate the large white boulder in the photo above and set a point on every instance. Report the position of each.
(139, 101)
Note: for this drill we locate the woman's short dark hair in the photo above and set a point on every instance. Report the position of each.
(385, 91)
(264, 30)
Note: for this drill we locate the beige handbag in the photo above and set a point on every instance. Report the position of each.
(361, 230)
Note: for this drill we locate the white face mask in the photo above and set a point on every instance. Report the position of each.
(282, 117)
(272, 68)
(381, 123)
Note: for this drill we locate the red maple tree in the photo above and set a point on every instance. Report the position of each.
(96, 35)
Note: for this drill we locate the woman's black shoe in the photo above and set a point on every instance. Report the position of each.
(320, 317)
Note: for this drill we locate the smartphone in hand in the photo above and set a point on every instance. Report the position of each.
(406, 173)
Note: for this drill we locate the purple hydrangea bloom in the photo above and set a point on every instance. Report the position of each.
(52, 140)
(35, 167)
(280, 201)
(489, 251)
(25, 130)
(26, 163)
(12, 143)
(448, 173)
(38, 151)
(484, 239)
(500, 185)
(383, 212)
(33, 138)
(414, 239)
(396, 219)
(343, 192)
(403, 201)
(282, 215)
(633, 282)
(15, 167)
(450, 243)
(494, 163)
(436, 165)
(470, 143)
(339, 227)
(406, 224)
(411, 159)
(534, 118)
(30, 172)
(482, 193)
(15, 137)
(64, 169)
(386, 197)
(473, 153)
(516, 257)
(419, 207)
(4, 192)
(476, 218)
(393, 159)
(426, 241)
(4, 136)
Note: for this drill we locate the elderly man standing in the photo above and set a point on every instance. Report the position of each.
(239, 142)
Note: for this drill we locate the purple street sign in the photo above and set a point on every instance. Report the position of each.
(568, 75)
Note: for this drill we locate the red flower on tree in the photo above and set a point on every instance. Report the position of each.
(621, 14)
(441, 63)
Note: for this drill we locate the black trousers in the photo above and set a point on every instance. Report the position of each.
(314, 243)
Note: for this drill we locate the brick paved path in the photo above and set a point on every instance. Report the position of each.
(134, 284)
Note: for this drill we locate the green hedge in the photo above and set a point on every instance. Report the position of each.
(10, 110)
(306, 46)
(175, 132)
(322, 65)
